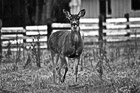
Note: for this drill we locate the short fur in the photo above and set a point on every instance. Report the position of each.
(67, 43)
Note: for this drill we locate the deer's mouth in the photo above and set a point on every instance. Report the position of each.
(75, 24)
(75, 28)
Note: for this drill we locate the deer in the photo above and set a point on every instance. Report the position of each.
(67, 44)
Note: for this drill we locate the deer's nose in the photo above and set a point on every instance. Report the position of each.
(74, 23)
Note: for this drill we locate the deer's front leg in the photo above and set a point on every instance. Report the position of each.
(55, 58)
(64, 63)
(53, 65)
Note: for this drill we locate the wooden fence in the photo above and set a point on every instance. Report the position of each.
(35, 34)
(116, 30)
(12, 37)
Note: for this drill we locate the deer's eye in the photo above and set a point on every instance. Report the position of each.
(78, 18)
(70, 18)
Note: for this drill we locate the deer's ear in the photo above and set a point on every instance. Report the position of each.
(82, 13)
(68, 15)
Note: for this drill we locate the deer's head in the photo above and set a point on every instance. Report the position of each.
(74, 19)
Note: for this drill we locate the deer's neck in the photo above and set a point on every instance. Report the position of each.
(75, 35)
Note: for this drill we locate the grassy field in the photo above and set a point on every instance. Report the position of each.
(119, 72)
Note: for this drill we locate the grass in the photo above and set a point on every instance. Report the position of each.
(120, 72)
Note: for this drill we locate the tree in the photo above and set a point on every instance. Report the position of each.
(0, 41)
(44, 11)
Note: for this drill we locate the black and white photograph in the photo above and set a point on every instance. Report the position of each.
(69, 46)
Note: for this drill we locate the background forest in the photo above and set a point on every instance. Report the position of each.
(31, 12)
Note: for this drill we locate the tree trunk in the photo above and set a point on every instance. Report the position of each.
(47, 11)
(37, 13)
(43, 16)
(49, 8)
(0, 41)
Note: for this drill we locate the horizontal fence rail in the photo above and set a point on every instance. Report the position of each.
(12, 36)
(37, 34)
(116, 30)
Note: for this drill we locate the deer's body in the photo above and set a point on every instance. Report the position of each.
(67, 44)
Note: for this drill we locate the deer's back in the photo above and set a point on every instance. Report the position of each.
(61, 42)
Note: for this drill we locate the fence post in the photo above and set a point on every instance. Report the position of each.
(49, 25)
(104, 20)
(24, 39)
(100, 39)
(0, 41)
(101, 32)
(38, 51)
(127, 18)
